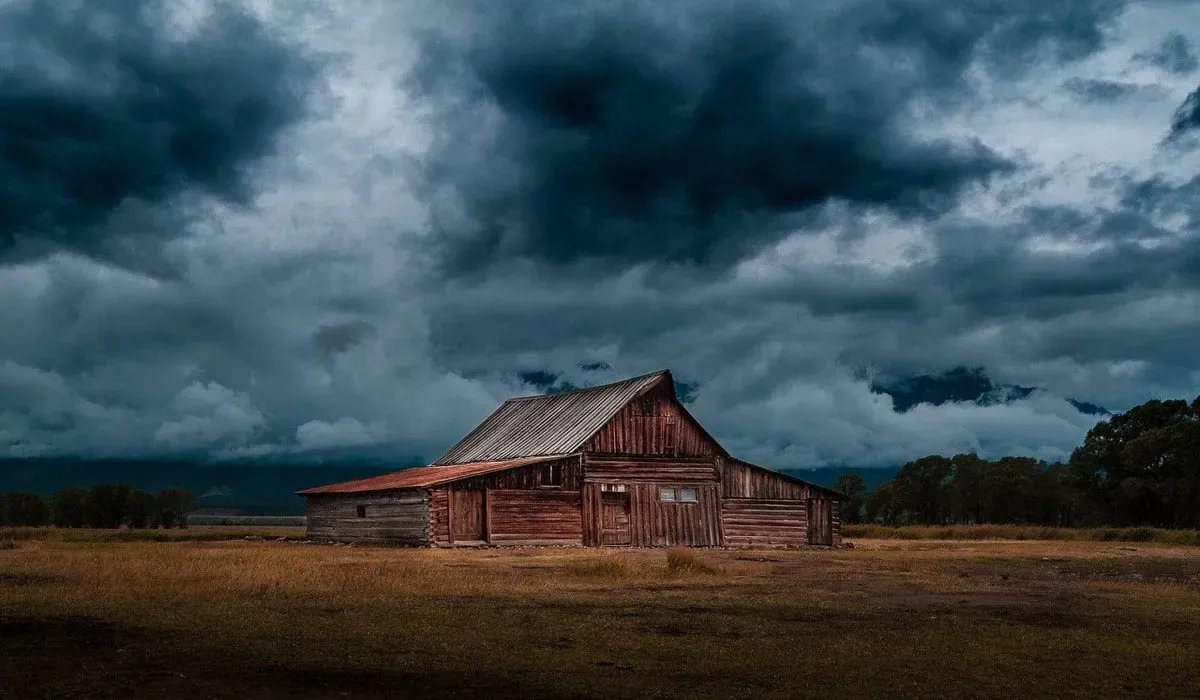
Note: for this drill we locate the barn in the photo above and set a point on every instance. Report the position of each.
(618, 464)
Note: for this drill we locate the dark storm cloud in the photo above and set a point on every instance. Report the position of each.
(1175, 55)
(1099, 91)
(1186, 120)
(104, 106)
(646, 132)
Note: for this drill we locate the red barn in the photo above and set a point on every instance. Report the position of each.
(619, 464)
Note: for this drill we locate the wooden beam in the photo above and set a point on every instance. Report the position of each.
(449, 515)
(487, 515)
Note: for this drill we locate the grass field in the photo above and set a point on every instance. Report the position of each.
(888, 618)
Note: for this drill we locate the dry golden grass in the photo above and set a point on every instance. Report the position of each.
(1023, 532)
(887, 618)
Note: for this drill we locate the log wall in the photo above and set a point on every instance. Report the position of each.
(613, 468)
(400, 517)
(752, 522)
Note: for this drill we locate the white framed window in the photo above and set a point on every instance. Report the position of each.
(614, 488)
(687, 495)
(666, 493)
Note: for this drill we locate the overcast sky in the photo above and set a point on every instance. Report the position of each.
(284, 228)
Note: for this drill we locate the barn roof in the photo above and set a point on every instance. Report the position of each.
(551, 424)
(423, 477)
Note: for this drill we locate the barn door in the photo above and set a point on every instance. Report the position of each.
(820, 521)
(467, 518)
(614, 517)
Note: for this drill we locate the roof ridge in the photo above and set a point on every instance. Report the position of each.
(590, 388)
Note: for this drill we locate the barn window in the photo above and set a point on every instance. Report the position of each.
(552, 475)
(666, 493)
(687, 495)
(613, 488)
(361, 511)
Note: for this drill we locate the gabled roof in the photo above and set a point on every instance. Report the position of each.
(553, 424)
(424, 477)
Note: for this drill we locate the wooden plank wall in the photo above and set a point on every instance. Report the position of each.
(520, 508)
(741, 480)
(610, 468)
(654, 523)
(401, 517)
(523, 517)
(653, 425)
(527, 477)
(751, 522)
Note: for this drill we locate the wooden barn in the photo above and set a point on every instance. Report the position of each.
(619, 464)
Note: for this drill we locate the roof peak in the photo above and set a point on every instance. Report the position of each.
(598, 387)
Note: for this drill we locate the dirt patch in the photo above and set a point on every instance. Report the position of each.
(85, 657)
(11, 579)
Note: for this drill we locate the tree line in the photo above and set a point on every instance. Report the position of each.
(1138, 468)
(102, 506)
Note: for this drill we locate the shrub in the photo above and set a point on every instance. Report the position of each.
(685, 561)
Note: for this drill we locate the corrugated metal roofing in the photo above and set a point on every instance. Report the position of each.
(423, 477)
(550, 424)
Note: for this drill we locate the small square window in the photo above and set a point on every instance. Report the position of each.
(361, 511)
(688, 495)
(552, 475)
(666, 494)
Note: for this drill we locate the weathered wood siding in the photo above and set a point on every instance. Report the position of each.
(401, 517)
(518, 506)
(610, 468)
(751, 522)
(762, 508)
(653, 424)
(535, 517)
(530, 476)
(654, 523)
(742, 480)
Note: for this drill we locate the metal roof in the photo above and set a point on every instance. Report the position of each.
(423, 477)
(548, 425)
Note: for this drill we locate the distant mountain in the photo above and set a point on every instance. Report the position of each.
(245, 488)
(962, 384)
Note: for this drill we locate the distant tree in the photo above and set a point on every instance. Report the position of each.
(967, 491)
(173, 507)
(139, 509)
(922, 489)
(23, 510)
(853, 486)
(70, 508)
(105, 505)
(880, 505)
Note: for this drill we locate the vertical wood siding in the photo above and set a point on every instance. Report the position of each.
(651, 522)
(653, 424)
(528, 477)
(741, 480)
(401, 517)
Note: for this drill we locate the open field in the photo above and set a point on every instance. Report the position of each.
(895, 618)
(1022, 532)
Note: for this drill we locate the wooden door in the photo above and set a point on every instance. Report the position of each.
(820, 521)
(614, 518)
(467, 517)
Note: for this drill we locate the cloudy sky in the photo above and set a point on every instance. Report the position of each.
(352, 228)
